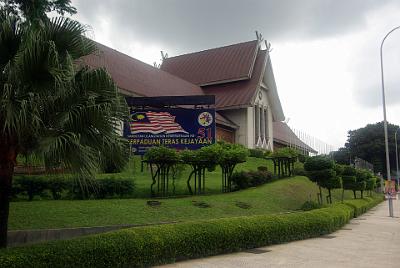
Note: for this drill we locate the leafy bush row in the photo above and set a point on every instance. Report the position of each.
(259, 153)
(245, 179)
(57, 186)
(147, 246)
(217, 154)
(326, 174)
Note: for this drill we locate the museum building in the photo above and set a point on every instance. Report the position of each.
(240, 76)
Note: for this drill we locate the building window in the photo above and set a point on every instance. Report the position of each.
(266, 124)
(262, 124)
(257, 123)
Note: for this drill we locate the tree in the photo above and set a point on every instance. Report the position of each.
(320, 169)
(71, 110)
(349, 180)
(368, 143)
(341, 156)
(36, 9)
(362, 177)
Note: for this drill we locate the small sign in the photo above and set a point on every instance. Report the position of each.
(390, 189)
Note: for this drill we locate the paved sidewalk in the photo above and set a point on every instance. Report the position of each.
(371, 240)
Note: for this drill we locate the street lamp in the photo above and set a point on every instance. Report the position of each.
(385, 122)
(397, 158)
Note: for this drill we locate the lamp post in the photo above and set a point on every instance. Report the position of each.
(397, 158)
(385, 121)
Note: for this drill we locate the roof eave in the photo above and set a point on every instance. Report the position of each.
(225, 81)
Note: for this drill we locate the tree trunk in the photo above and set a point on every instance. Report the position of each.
(354, 193)
(320, 194)
(7, 161)
(342, 195)
(330, 196)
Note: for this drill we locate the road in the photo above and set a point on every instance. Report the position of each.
(371, 240)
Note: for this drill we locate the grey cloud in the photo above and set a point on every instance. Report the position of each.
(367, 72)
(190, 25)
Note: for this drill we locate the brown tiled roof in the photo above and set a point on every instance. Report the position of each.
(217, 65)
(139, 78)
(240, 93)
(284, 135)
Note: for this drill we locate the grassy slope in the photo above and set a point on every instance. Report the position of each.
(279, 196)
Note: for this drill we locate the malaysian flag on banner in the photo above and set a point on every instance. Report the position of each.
(154, 123)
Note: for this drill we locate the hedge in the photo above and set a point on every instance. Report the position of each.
(361, 206)
(146, 246)
(59, 186)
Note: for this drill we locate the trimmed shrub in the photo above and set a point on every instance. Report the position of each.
(242, 180)
(320, 175)
(371, 184)
(320, 169)
(67, 187)
(259, 177)
(104, 187)
(318, 163)
(112, 188)
(29, 185)
(262, 168)
(361, 206)
(285, 152)
(161, 154)
(257, 153)
(56, 185)
(154, 245)
(338, 169)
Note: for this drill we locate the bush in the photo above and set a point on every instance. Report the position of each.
(230, 153)
(207, 156)
(161, 154)
(154, 245)
(338, 169)
(302, 158)
(56, 185)
(112, 187)
(320, 169)
(318, 163)
(262, 168)
(285, 152)
(257, 153)
(320, 175)
(371, 184)
(108, 186)
(242, 180)
(361, 206)
(299, 169)
(259, 177)
(29, 185)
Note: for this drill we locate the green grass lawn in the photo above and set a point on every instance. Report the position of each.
(275, 197)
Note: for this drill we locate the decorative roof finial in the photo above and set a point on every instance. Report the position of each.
(163, 55)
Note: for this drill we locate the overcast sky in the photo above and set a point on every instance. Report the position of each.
(325, 52)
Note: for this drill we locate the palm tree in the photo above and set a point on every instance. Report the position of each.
(47, 95)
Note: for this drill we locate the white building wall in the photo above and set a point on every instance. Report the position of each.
(237, 116)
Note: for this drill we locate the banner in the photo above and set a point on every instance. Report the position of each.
(390, 189)
(178, 128)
